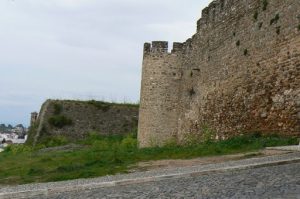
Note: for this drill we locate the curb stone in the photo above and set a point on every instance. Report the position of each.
(285, 148)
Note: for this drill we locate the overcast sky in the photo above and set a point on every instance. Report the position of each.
(81, 49)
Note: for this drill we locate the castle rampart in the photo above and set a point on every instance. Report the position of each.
(76, 120)
(239, 73)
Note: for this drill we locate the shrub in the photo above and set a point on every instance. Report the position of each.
(171, 143)
(94, 135)
(208, 134)
(134, 133)
(192, 139)
(101, 145)
(60, 121)
(16, 149)
(299, 27)
(238, 43)
(129, 143)
(256, 134)
(246, 52)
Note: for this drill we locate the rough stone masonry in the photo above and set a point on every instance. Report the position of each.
(85, 117)
(239, 73)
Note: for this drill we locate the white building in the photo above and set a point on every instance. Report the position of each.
(13, 137)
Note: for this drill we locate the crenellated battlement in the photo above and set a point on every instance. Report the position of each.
(177, 47)
(162, 47)
(147, 48)
(156, 47)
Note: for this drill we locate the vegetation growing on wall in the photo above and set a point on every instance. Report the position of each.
(275, 19)
(207, 135)
(192, 92)
(105, 106)
(255, 16)
(100, 105)
(74, 118)
(191, 74)
(265, 5)
(278, 30)
(260, 25)
(59, 121)
(57, 108)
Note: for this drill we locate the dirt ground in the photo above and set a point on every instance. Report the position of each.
(164, 164)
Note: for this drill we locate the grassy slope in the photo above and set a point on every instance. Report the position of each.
(104, 156)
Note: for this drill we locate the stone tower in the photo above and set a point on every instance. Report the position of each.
(33, 119)
(238, 74)
(159, 94)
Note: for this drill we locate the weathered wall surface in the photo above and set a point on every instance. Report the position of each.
(159, 94)
(83, 118)
(239, 73)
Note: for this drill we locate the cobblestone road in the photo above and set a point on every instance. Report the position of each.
(268, 182)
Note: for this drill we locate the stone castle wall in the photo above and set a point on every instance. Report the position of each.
(85, 117)
(239, 73)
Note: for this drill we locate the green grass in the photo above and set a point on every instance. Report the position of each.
(101, 156)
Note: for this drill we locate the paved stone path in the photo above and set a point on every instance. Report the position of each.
(269, 182)
(255, 177)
